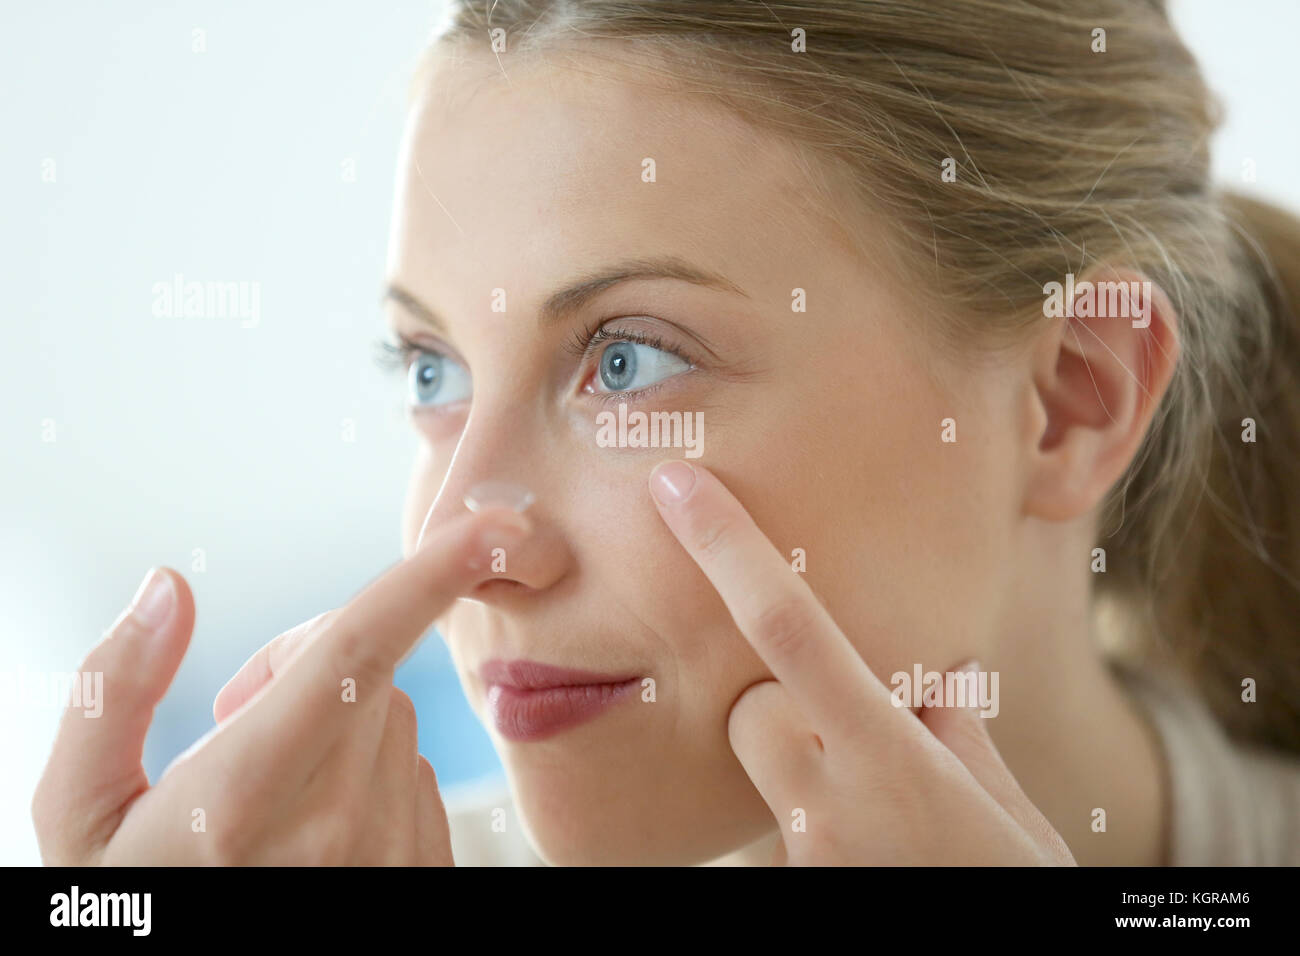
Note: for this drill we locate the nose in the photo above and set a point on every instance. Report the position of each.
(494, 464)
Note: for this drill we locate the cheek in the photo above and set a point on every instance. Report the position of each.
(673, 618)
(897, 528)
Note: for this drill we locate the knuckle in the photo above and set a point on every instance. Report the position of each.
(225, 845)
(230, 837)
(785, 625)
(349, 645)
(353, 655)
(711, 538)
(326, 839)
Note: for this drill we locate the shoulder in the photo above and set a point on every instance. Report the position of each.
(485, 830)
(1231, 803)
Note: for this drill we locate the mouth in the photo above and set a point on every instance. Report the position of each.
(529, 701)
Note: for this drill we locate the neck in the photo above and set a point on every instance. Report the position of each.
(1072, 738)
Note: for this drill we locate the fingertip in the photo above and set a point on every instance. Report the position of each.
(505, 517)
(672, 481)
(161, 609)
(183, 592)
(184, 611)
(497, 527)
(468, 523)
(172, 639)
(465, 544)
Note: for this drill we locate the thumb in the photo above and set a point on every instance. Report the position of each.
(95, 767)
(779, 855)
(965, 732)
(265, 665)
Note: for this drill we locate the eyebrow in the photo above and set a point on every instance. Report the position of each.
(568, 300)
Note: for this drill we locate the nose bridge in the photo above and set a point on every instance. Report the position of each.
(495, 447)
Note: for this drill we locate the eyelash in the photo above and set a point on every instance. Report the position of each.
(397, 356)
(586, 342)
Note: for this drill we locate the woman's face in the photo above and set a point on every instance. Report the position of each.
(824, 423)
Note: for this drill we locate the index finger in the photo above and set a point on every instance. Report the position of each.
(771, 604)
(304, 711)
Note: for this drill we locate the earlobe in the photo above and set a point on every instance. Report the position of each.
(1099, 373)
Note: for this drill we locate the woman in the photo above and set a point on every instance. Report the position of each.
(973, 353)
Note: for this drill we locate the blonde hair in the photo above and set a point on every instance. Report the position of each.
(1067, 160)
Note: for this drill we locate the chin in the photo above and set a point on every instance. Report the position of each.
(596, 816)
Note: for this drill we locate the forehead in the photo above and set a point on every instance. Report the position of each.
(527, 162)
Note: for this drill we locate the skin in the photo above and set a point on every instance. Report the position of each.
(822, 433)
(825, 426)
(294, 773)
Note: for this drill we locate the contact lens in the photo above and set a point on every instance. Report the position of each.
(498, 494)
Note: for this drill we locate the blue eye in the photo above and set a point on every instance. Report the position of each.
(434, 379)
(627, 366)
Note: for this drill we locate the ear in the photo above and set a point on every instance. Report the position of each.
(1099, 373)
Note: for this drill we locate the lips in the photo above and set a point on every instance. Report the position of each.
(529, 701)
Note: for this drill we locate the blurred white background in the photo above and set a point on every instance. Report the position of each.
(267, 156)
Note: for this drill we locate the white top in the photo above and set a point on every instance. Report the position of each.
(485, 830)
(1232, 804)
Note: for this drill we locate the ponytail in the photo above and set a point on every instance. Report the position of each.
(1219, 594)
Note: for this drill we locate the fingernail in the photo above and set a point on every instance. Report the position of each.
(671, 482)
(490, 494)
(153, 602)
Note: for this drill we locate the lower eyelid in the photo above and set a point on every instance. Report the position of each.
(640, 394)
(439, 422)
